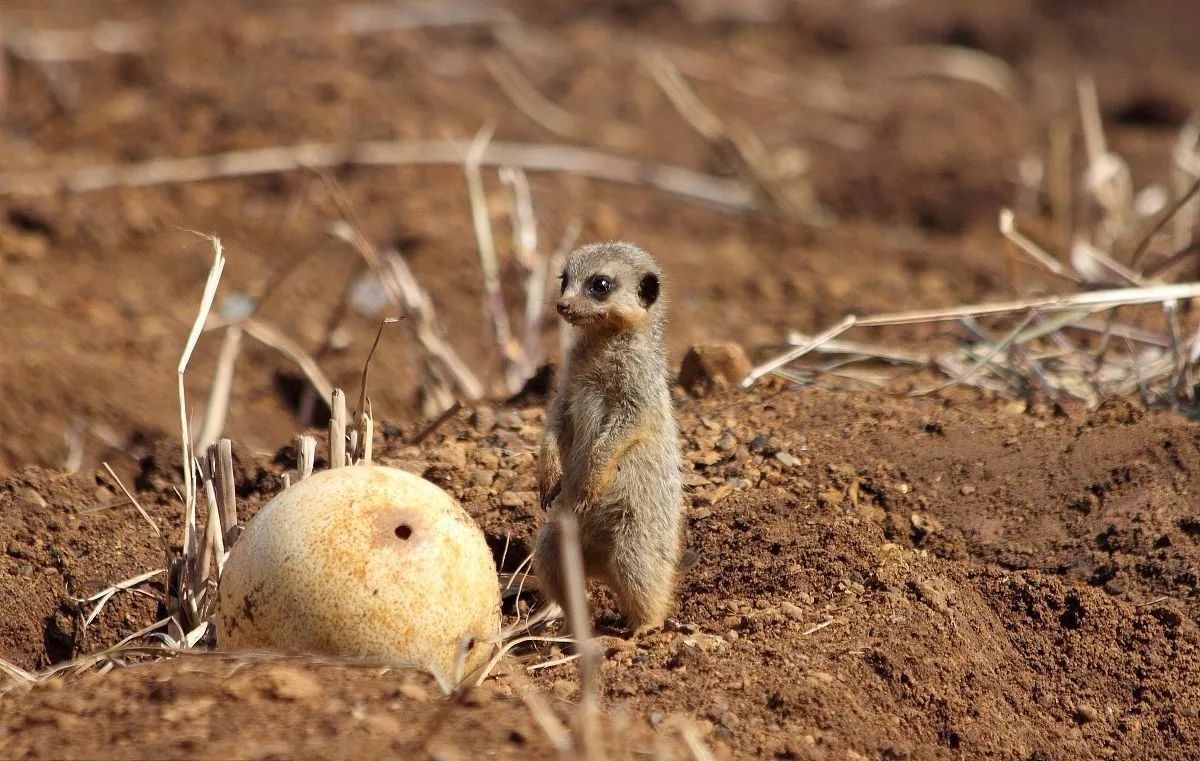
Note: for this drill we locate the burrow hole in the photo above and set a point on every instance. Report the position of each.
(403, 531)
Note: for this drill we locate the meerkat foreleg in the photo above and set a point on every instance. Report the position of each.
(556, 434)
(605, 455)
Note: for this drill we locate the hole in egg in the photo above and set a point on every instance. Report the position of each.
(403, 531)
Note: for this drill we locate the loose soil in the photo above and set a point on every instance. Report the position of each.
(879, 576)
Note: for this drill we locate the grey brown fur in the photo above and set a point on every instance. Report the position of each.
(611, 447)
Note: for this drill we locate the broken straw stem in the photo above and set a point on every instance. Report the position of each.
(1094, 300)
(337, 430)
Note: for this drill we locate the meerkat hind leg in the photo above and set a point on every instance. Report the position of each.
(643, 581)
(547, 565)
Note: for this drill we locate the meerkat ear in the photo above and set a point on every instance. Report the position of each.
(648, 289)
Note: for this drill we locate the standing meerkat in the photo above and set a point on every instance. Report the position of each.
(611, 448)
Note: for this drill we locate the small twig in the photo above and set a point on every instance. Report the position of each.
(1143, 245)
(1009, 230)
(817, 628)
(434, 424)
(362, 388)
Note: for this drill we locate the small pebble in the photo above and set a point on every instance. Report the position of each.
(792, 611)
(1085, 714)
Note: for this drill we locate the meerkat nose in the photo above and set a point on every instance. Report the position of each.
(564, 308)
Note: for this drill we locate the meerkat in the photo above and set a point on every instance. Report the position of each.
(610, 452)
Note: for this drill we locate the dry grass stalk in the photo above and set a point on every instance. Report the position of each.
(685, 183)
(1108, 176)
(511, 356)
(952, 62)
(102, 597)
(970, 372)
(213, 553)
(390, 16)
(62, 46)
(735, 142)
(364, 420)
(73, 437)
(521, 92)
(1184, 173)
(272, 337)
(445, 373)
(1043, 358)
(222, 456)
(535, 266)
(1058, 182)
(587, 729)
(187, 586)
(217, 410)
(337, 430)
(442, 368)
(141, 510)
(1075, 306)
(1025, 245)
(306, 456)
(558, 735)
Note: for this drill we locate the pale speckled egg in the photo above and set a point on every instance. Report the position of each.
(363, 561)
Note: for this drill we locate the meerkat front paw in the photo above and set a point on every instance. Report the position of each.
(550, 494)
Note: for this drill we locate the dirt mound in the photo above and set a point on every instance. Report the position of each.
(214, 708)
(891, 577)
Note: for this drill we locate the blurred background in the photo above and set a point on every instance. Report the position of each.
(789, 162)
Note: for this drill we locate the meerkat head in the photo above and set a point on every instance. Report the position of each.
(610, 285)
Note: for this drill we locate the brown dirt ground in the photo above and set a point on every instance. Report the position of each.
(956, 576)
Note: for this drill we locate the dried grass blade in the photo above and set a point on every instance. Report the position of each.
(129, 495)
(982, 362)
(222, 388)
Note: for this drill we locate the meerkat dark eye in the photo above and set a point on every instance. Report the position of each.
(562, 288)
(600, 286)
(648, 290)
